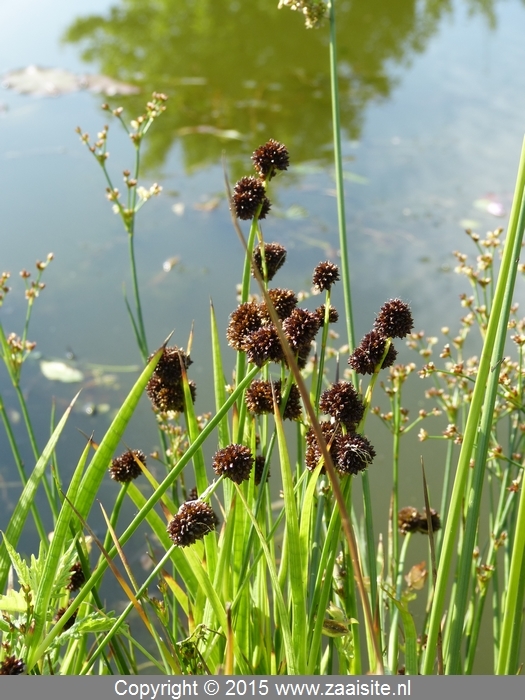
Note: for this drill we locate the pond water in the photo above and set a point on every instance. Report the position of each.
(433, 105)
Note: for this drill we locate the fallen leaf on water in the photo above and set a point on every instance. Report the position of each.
(354, 177)
(170, 263)
(50, 82)
(107, 86)
(42, 82)
(469, 223)
(60, 372)
(210, 205)
(208, 129)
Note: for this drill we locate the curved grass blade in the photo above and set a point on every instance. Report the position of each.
(19, 517)
(99, 464)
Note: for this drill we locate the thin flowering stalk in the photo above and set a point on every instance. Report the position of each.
(336, 129)
(136, 197)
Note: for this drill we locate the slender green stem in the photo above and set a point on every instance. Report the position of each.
(336, 127)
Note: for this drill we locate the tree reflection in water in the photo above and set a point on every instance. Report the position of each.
(237, 73)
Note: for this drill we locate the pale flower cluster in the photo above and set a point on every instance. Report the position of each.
(314, 11)
(145, 194)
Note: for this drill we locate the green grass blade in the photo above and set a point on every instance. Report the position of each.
(56, 548)
(19, 517)
(513, 615)
(283, 621)
(410, 638)
(504, 286)
(219, 382)
(100, 462)
(298, 581)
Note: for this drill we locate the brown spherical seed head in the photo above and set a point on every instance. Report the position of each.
(301, 328)
(169, 395)
(11, 666)
(331, 433)
(408, 520)
(60, 613)
(260, 461)
(235, 462)
(248, 195)
(243, 321)
(270, 158)
(342, 402)
(125, 468)
(394, 319)
(259, 397)
(355, 453)
(434, 519)
(165, 388)
(368, 354)
(274, 255)
(169, 366)
(325, 275)
(77, 578)
(193, 521)
(293, 409)
(264, 346)
(333, 314)
(284, 301)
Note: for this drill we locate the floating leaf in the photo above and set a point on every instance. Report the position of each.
(107, 86)
(41, 81)
(60, 372)
(354, 177)
(46, 82)
(232, 134)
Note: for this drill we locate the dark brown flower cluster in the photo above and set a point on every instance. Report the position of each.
(350, 453)
(270, 158)
(260, 462)
(325, 275)
(192, 522)
(165, 388)
(11, 666)
(333, 314)
(194, 496)
(77, 578)
(250, 329)
(284, 302)
(125, 468)
(300, 329)
(70, 622)
(394, 320)
(249, 194)
(234, 462)
(369, 352)
(409, 519)
(259, 399)
(342, 402)
(249, 197)
(313, 453)
(274, 258)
